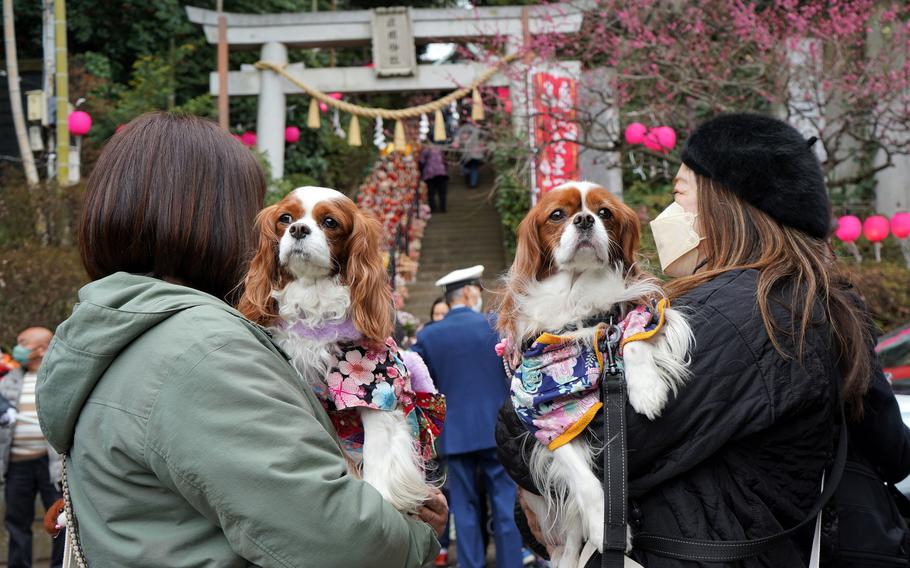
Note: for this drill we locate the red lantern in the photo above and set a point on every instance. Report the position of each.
(876, 228)
(652, 142)
(849, 228)
(291, 134)
(79, 123)
(900, 225)
(635, 133)
(666, 137)
(248, 138)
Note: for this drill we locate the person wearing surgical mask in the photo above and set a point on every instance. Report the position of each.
(781, 345)
(31, 468)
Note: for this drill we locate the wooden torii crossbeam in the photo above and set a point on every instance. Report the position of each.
(273, 33)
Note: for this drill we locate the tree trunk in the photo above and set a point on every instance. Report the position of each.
(15, 96)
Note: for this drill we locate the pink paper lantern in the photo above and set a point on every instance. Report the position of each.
(849, 228)
(876, 228)
(635, 133)
(652, 142)
(666, 136)
(79, 123)
(900, 225)
(291, 134)
(248, 138)
(505, 95)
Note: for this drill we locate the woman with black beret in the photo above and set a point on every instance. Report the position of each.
(781, 345)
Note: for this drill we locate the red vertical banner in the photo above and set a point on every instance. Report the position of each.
(555, 130)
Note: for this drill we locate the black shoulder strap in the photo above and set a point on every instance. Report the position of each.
(614, 456)
(732, 550)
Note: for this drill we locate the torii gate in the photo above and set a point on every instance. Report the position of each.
(275, 32)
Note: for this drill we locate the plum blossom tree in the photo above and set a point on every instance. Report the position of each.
(837, 69)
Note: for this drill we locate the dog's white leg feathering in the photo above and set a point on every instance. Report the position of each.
(391, 462)
(574, 498)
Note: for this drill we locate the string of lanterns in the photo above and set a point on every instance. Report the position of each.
(876, 229)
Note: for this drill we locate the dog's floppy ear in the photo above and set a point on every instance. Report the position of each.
(531, 261)
(257, 303)
(365, 276)
(627, 232)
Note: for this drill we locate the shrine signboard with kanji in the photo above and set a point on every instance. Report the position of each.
(394, 54)
(555, 130)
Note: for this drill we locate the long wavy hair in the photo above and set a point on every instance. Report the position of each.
(790, 262)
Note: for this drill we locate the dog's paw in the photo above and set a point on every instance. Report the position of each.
(648, 393)
(648, 400)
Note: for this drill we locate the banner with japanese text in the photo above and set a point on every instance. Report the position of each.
(555, 130)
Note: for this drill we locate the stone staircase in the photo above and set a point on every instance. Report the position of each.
(469, 233)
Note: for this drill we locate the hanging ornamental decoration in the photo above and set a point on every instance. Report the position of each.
(335, 101)
(424, 128)
(379, 134)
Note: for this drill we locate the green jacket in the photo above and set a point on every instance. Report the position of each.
(193, 442)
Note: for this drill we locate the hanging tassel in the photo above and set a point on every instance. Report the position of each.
(354, 131)
(313, 118)
(439, 129)
(477, 107)
(400, 140)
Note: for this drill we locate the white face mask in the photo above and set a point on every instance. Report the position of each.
(478, 305)
(677, 241)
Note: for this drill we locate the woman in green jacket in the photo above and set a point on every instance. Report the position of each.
(191, 440)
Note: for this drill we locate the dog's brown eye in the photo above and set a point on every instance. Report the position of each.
(604, 213)
(329, 223)
(557, 215)
(286, 219)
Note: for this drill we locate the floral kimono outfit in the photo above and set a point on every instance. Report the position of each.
(377, 378)
(556, 389)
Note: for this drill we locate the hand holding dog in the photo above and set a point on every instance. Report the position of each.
(435, 511)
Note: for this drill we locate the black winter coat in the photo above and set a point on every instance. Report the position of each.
(740, 452)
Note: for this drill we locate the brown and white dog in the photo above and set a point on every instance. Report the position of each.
(575, 261)
(319, 265)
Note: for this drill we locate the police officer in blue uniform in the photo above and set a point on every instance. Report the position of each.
(460, 353)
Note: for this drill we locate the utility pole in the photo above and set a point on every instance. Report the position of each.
(47, 84)
(15, 94)
(223, 106)
(63, 92)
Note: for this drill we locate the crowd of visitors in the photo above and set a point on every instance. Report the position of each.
(188, 434)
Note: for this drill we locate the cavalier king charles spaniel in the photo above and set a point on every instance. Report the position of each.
(573, 276)
(318, 281)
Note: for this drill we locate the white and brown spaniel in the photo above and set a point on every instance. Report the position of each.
(318, 281)
(574, 272)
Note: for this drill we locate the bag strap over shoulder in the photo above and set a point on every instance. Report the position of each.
(613, 384)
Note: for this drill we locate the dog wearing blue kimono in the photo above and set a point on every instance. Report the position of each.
(575, 280)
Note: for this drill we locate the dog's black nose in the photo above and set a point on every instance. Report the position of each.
(299, 230)
(584, 221)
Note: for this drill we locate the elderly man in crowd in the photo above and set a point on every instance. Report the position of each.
(30, 466)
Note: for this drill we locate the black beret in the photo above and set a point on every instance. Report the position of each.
(765, 162)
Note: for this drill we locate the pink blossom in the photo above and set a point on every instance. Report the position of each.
(357, 367)
(345, 391)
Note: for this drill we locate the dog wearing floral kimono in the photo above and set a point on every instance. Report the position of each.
(318, 281)
(574, 281)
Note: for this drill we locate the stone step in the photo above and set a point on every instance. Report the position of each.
(469, 233)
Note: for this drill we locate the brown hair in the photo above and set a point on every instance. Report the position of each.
(788, 260)
(172, 196)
